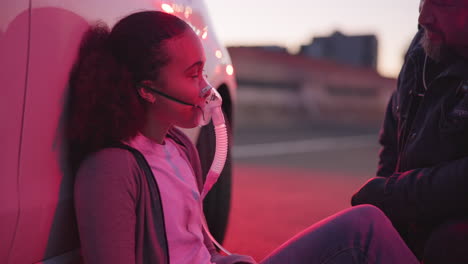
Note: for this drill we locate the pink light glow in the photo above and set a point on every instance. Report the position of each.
(229, 69)
(167, 8)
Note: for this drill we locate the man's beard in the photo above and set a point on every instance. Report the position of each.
(437, 51)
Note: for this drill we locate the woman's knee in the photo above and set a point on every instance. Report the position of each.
(368, 219)
(362, 220)
(368, 214)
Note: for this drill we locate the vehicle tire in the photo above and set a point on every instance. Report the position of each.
(217, 203)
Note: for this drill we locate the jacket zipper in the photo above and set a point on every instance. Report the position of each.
(406, 133)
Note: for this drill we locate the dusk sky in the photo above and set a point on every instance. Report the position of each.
(294, 22)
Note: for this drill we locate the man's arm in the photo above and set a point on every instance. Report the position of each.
(429, 192)
(420, 194)
(388, 155)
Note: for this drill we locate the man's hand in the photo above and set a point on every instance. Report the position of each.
(372, 192)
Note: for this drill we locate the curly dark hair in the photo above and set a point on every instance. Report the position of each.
(103, 105)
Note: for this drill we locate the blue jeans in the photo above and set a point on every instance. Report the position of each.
(360, 234)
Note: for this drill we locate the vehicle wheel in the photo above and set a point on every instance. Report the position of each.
(217, 203)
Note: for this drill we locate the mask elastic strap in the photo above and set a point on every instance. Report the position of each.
(165, 95)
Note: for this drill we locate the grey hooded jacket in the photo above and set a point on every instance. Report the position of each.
(119, 211)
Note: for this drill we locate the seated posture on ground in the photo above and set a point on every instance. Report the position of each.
(139, 188)
(422, 183)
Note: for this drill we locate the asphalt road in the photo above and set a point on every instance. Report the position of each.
(286, 179)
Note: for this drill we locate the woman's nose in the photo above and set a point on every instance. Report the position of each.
(205, 87)
(204, 82)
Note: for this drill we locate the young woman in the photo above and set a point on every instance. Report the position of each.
(128, 89)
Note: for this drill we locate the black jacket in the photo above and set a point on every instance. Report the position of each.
(424, 142)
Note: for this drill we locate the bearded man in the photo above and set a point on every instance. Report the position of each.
(422, 178)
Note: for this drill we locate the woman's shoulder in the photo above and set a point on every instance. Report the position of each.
(109, 164)
(106, 184)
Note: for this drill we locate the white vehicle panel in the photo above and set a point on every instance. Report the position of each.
(45, 194)
(37, 50)
(14, 33)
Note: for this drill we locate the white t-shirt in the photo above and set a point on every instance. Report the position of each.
(180, 200)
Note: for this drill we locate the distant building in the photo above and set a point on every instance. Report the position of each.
(354, 50)
(280, 88)
(273, 48)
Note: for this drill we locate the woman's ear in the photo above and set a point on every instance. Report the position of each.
(147, 95)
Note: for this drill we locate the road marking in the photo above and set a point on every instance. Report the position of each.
(303, 146)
